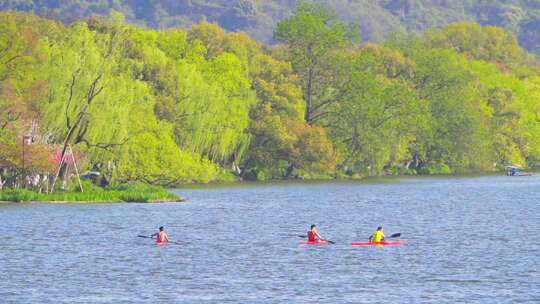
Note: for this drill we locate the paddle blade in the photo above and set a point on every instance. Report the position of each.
(331, 242)
(395, 235)
(145, 236)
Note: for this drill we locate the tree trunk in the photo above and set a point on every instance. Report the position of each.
(309, 97)
(93, 91)
(289, 172)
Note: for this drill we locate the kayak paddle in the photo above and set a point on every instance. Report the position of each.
(393, 236)
(149, 237)
(173, 242)
(145, 236)
(304, 236)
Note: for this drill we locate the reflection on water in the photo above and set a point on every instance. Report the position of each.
(470, 240)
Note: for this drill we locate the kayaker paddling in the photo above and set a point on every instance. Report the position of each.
(161, 236)
(377, 236)
(313, 235)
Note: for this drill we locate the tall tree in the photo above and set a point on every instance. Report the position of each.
(312, 33)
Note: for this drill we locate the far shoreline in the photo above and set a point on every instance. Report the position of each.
(175, 198)
(362, 180)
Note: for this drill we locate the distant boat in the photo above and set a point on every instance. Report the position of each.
(515, 171)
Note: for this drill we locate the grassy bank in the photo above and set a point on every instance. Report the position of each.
(122, 193)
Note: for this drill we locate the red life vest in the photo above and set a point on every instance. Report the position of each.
(311, 236)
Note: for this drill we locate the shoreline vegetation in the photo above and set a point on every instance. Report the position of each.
(355, 180)
(138, 193)
(110, 102)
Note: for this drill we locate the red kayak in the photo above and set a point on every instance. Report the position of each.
(304, 242)
(161, 243)
(383, 243)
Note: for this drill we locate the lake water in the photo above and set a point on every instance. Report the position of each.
(470, 240)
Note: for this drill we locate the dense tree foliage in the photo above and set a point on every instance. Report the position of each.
(430, 104)
(312, 36)
(376, 18)
(202, 104)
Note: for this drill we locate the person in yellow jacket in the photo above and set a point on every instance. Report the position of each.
(377, 236)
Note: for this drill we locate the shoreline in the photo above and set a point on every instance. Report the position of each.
(243, 183)
(366, 179)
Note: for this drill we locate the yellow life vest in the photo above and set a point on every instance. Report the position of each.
(377, 236)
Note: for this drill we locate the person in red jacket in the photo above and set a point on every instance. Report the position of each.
(313, 235)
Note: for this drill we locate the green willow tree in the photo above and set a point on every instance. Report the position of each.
(277, 130)
(207, 99)
(380, 116)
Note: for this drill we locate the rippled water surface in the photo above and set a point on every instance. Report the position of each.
(470, 240)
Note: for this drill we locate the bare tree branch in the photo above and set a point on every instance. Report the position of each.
(105, 146)
(70, 98)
